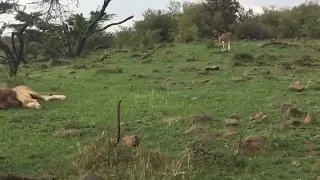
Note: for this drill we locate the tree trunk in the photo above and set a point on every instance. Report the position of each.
(12, 70)
(13, 65)
(80, 45)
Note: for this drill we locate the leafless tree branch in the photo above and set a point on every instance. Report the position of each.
(113, 24)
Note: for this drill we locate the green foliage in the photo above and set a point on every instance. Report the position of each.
(157, 20)
(97, 40)
(125, 38)
(189, 33)
(149, 38)
(250, 29)
(52, 46)
(228, 9)
(33, 49)
(302, 20)
(210, 43)
(207, 20)
(194, 23)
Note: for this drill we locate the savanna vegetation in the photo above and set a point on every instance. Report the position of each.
(247, 113)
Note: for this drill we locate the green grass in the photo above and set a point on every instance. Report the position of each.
(167, 85)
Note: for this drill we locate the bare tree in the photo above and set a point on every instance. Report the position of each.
(16, 55)
(89, 31)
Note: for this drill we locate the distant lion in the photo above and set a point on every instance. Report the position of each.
(23, 96)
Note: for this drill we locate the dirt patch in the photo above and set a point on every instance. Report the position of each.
(202, 118)
(252, 145)
(291, 110)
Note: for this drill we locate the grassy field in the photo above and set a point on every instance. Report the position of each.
(160, 96)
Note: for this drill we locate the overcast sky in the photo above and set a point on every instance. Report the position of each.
(125, 8)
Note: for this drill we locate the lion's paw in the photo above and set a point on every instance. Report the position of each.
(37, 105)
(62, 97)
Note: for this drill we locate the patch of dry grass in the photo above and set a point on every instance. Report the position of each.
(107, 161)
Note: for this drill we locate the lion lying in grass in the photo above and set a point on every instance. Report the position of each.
(23, 96)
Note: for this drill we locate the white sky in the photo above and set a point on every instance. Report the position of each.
(125, 8)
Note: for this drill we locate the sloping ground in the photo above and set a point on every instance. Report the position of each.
(161, 95)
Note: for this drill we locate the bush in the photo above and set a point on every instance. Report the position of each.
(125, 38)
(250, 29)
(149, 38)
(188, 34)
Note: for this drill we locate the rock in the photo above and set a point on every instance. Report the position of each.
(213, 68)
(260, 117)
(310, 119)
(287, 105)
(292, 110)
(131, 141)
(231, 122)
(297, 86)
(90, 176)
(205, 81)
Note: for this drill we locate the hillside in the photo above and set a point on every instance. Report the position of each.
(160, 97)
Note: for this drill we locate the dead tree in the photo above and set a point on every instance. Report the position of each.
(89, 31)
(14, 56)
